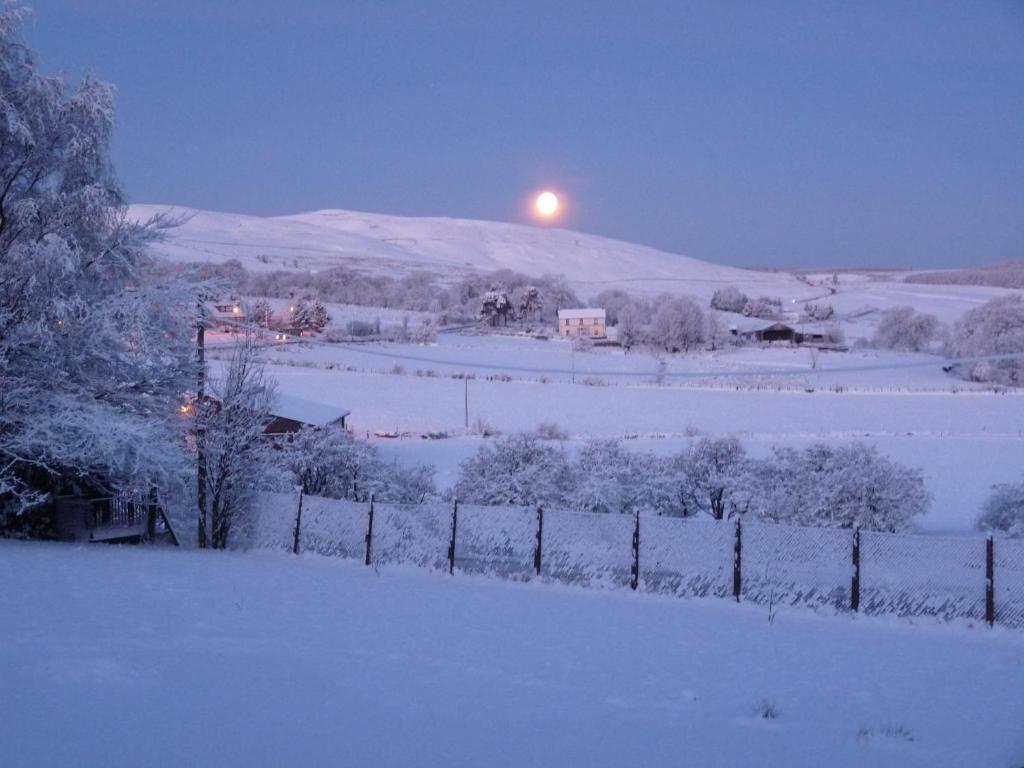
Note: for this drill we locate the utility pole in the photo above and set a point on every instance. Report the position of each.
(200, 427)
(572, 346)
(466, 403)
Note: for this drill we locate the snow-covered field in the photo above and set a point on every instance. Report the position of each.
(120, 656)
(964, 438)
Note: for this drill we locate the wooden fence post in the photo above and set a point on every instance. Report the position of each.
(151, 515)
(540, 540)
(855, 582)
(451, 546)
(298, 526)
(737, 563)
(369, 533)
(990, 581)
(634, 574)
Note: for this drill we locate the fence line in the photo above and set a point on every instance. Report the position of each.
(947, 577)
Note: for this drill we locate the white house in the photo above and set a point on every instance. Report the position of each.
(582, 322)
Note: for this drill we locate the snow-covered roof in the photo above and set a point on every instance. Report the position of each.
(306, 411)
(574, 314)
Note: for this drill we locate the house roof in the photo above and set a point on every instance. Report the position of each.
(306, 411)
(574, 314)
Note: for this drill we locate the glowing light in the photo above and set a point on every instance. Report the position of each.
(236, 310)
(547, 204)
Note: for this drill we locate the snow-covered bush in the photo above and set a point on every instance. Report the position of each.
(730, 299)
(1003, 511)
(520, 470)
(994, 328)
(548, 430)
(95, 352)
(608, 478)
(904, 329)
(836, 487)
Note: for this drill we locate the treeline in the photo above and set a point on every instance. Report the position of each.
(419, 291)
(822, 485)
(1005, 274)
(994, 328)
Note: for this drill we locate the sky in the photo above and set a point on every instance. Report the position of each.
(787, 134)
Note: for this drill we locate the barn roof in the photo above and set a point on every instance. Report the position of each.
(575, 314)
(306, 411)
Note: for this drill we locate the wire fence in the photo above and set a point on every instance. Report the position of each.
(971, 578)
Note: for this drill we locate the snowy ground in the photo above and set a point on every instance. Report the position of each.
(125, 656)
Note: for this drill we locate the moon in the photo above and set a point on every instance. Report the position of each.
(547, 204)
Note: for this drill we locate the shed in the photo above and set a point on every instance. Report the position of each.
(290, 414)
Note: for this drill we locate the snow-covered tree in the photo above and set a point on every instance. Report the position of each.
(729, 299)
(528, 302)
(819, 312)
(837, 487)
(233, 450)
(905, 329)
(495, 307)
(630, 326)
(329, 462)
(519, 469)
(994, 328)
(711, 477)
(1003, 510)
(260, 313)
(766, 307)
(678, 325)
(94, 352)
(310, 315)
(608, 478)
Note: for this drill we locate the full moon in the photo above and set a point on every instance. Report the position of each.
(547, 203)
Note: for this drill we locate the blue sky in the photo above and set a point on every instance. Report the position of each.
(757, 134)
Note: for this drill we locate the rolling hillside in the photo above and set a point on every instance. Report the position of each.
(395, 245)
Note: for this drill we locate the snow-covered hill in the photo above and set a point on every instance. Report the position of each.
(396, 245)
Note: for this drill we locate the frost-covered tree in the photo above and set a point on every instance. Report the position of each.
(678, 325)
(905, 329)
(819, 312)
(233, 450)
(729, 299)
(495, 307)
(310, 315)
(766, 307)
(994, 328)
(630, 326)
(837, 487)
(94, 353)
(518, 469)
(612, 302)
(528, 302)
(1003, 510)
(710, 477)
(260, 313)
(608, 478)
(329, 462)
